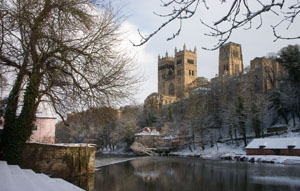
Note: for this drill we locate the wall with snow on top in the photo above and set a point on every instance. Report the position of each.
(274, 146)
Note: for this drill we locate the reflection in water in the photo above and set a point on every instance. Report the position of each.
(278, 180)
(172, 174)
(87, 182)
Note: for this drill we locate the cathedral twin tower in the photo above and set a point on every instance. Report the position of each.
(175, 74)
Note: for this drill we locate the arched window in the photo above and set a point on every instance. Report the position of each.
(171, 89)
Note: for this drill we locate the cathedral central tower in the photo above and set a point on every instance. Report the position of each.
(230, 59)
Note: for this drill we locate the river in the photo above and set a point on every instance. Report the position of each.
(194, 174)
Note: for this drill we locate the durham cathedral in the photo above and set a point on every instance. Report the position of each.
(177, 76)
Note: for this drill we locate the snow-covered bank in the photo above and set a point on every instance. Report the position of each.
(291, 160)
(235, 153)
(215, 152)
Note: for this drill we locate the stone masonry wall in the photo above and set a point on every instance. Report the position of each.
(60, 160)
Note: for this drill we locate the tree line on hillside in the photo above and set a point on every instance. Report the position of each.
(107, 127)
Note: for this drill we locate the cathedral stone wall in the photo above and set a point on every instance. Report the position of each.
(267, 73)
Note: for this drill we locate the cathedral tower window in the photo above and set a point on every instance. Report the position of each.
(179, 61)
(190, 61)
(171, 89)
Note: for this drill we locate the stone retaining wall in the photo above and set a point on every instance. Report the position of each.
(60, 160)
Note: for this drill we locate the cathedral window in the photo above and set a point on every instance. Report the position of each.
(190, 61)
(178, 72)
(171, 89)
(192, 72)
(235, 54)
(256, 65)
(227, 67)
(179, 61)
(170, 72)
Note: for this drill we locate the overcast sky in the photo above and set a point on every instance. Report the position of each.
(255, 43)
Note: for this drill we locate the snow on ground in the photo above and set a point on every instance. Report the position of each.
(292, 160)
(228, 152)
(148, 131)
(236, 153)
(288, 134)
(214, 152)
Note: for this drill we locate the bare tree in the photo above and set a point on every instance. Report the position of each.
(65, 51)
(239, 14)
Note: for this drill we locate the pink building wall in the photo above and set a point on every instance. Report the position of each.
(45, 131)
(2, 124)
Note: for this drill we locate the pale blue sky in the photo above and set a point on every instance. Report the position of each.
(255, 43)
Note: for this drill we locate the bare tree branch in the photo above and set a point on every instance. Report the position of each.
(239, 14)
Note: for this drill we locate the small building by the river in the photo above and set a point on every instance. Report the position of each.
(155, 139)
(44, 124)
(274, 146)
(148, 136)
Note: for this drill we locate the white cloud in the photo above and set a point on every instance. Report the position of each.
(145, 60)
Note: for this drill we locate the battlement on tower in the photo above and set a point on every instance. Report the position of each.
(166, 57)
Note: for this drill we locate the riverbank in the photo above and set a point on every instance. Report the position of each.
(220, 152)
(288, 160)
(214, 152)
(235, 153)
(225, 151)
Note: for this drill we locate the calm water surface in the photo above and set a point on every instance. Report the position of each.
(172, 174)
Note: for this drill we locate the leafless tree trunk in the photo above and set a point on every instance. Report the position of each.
(64, 51)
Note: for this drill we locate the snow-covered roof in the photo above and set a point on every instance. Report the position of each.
(275, 143)
(149, 131)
